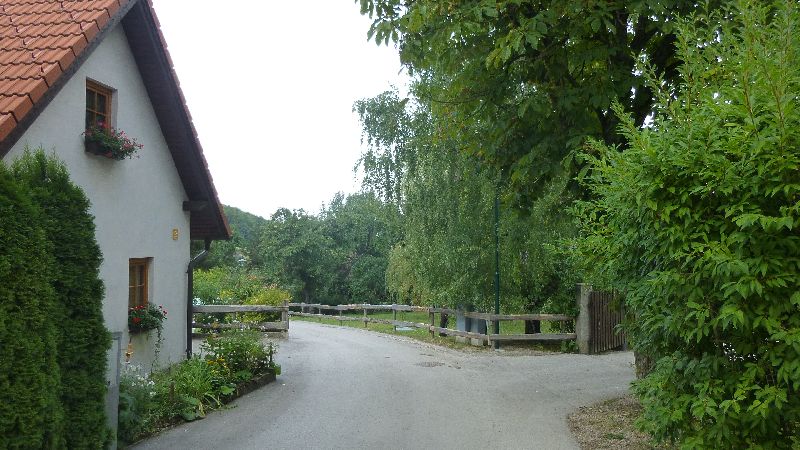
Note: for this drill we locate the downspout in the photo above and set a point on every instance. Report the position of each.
(190, 296)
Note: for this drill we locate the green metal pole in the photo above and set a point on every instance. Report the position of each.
(496, 265)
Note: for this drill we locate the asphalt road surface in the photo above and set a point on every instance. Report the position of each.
(346, 388)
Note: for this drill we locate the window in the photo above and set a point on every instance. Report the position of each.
(98, 104)
(137, 281)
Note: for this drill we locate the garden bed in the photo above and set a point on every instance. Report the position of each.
(233, 364)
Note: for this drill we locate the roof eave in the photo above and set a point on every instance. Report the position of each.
(155, 66)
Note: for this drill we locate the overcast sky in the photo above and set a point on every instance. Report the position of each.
(270, 86)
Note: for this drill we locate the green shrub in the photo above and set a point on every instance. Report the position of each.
(30, 413)
(267, 295)
(189, 389)
(697, 224)
(242, 351)
(82, 337)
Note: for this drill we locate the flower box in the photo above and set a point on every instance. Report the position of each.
(106, 141)
(96, 148)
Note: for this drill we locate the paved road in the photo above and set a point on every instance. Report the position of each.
(347, 388)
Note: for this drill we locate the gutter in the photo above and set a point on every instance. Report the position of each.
(190, 297)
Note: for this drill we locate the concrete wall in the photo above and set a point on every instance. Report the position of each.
(136, 202)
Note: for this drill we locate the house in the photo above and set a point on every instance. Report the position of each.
(66, 64)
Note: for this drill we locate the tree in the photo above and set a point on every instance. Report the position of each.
(31, 415)
(696, 224)
(82, 339)
(446, 197)
(531, 79)
(362, 230)
(296, 253)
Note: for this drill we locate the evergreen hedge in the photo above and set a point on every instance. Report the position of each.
(83, 340)
(30, 412)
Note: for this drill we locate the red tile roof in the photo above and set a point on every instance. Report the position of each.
(41, 41)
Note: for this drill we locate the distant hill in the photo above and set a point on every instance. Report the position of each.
(244, 224)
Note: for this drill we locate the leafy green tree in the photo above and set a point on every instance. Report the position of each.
(696, 223)
(362, 230)
(529, 80)
(296, 253)
(446, 198)
(31, 415)
(83, 340)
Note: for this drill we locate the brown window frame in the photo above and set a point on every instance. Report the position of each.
(144, 286)
(98, 89)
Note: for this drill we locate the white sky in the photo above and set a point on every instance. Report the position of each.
(270, 86)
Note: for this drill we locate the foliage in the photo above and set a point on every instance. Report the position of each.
(528, 80)
(239, 251)
(146, 317)
(188, 390)
(31, 415)
(241, 351)
(361, 230)
(82, 337)
(339, 256)
(235, 285)
(114, 143)
(269, 295)
(296, 253)
(136, 393)
(697, 225)
(446, 255)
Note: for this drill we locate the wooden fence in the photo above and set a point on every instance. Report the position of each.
(596, 327)
(431, 326)
(604, 317)
(282, 325)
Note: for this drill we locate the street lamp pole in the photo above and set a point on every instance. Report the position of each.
(496, 264)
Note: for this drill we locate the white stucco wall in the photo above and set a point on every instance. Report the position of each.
(136, 202)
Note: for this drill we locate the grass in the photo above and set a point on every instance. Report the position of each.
(506, 327)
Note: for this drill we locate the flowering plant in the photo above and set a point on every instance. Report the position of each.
(146, 317)
(110, 142)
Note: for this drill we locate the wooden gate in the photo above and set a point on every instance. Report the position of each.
(603, 319)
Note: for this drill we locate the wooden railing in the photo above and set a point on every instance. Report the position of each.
(431, 326)
(595, 327)
(282, 325)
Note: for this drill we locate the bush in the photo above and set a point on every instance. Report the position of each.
(188, 390)
(267, 295)
(31, 415)
(82, 337)
(697, 225)
(242, 351)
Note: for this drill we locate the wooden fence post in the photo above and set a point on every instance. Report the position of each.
(489, 331)
(319, 313)
(433, 322)
(285, 314)
(365, 317)
(583, 322)
(394, 315)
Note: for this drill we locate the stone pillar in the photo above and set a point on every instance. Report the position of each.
(582, 324)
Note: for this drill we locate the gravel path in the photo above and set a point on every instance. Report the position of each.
(347, 388)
